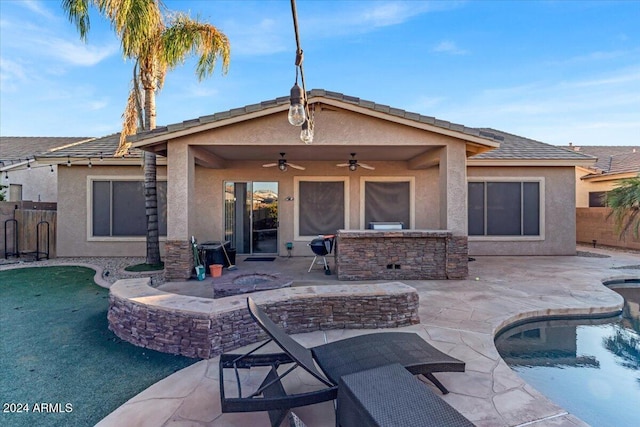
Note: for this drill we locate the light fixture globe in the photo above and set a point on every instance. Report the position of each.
(296, 115)
(306, 134)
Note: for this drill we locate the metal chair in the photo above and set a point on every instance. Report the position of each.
(321, 247)
(327, 363)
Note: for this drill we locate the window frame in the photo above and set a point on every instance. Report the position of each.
(412, 196)
(602, 195)
(89, 210)
(296, 200)
(541, 208)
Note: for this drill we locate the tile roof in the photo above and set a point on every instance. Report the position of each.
(612, 159)
(94, 148)
(370, 105)
(514, 147)
(16, 148)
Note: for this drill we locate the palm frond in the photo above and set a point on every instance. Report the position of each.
(78, 14)
(135, 22)
(185, 36)
(624, 200)
(133, 115)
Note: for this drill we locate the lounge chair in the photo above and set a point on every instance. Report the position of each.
(334, 360)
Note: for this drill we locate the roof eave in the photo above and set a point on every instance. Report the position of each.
(529, 162)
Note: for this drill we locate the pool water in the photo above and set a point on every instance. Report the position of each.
(590, 367)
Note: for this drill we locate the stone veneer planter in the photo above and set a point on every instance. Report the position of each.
(204, 328)
(401, 255)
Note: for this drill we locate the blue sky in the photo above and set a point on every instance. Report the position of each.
(555, 71)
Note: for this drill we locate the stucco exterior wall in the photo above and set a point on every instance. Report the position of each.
(333, 126)
(559, 214)
(73, 239)
(38, 184)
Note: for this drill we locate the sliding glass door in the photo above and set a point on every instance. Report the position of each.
(251, 216)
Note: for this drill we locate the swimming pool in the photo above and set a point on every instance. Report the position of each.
(591, 367)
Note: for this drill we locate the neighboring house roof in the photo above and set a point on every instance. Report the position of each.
(612, 160)
(201, 123)
(17, 149)
(514, 147)
(95, 148)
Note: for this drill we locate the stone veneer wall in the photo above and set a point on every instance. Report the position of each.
(401, 255)
(178, 260)
(204, 328)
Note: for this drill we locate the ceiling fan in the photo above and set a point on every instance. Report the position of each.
(282, 164)
(353, 164)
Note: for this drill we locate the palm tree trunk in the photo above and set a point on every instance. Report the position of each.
(150, 178)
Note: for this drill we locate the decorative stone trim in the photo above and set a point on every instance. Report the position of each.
(401, 255)
(457, 257)
(178, 260)
(204, 328)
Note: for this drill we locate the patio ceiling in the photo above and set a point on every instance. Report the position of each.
(317, 152)
(217, 156)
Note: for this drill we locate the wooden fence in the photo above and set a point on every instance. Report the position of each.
(31, 219)
(593, 224)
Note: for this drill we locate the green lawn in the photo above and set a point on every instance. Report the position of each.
(55, 349)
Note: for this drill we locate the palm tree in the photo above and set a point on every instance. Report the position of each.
(625, 203)
(157, 42)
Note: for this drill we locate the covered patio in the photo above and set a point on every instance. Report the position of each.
(218, 187)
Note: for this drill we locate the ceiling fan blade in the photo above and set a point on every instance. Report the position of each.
(296, 166)
(342, 164)
(269, 165)
(365, 166)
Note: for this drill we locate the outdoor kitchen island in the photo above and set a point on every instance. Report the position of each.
(400, 255)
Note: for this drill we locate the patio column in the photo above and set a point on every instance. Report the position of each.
(453, 208)
(180, 211)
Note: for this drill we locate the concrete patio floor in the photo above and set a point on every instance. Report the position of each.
(459, 317)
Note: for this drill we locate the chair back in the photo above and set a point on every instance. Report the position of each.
(302, 355)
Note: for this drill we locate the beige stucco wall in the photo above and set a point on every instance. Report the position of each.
(38, 184)
(559, 211)
(73, 236)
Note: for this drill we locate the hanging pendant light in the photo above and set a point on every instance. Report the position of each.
(306, 134)
(297, 115)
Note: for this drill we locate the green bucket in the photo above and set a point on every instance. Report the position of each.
(200, 272)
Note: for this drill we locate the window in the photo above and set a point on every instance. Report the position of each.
(504, 208)
(387, 202)
(597, 199)
(118, 208)
(321, 207)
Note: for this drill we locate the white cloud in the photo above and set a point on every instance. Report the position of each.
(597, 109)
(595, 57)
(385, 14)
(74, 53)
(97, 104)
(37, 7)
(425, 104)
(11, 74)
(447, 46)
(256, 35)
